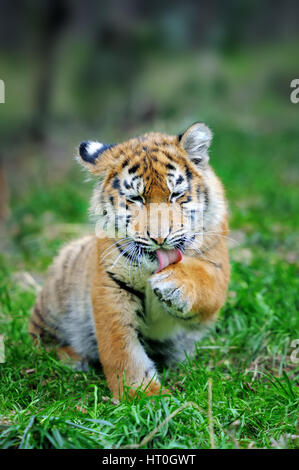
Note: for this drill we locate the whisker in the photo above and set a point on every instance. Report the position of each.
(216, 234)
(131, 255)
(217, 265)
(139, 256)
(122, 254)
(117, 241)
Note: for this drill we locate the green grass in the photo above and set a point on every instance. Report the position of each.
(246, 355)
(255, 400)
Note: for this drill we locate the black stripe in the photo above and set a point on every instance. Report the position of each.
(170, 166)
(43, 320)
(36, 312)
(189, 174)
(168, 155)
(124, 286)
(115, 183)
(124, 253)
(188, 199)
(44, 333)
(37, 325)
(34, 335)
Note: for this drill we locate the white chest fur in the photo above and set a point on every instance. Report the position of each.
(158, 324)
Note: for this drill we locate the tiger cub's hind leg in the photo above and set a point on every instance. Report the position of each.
(39, 328)
(45, 334)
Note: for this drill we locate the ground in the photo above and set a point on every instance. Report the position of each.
(246, 362)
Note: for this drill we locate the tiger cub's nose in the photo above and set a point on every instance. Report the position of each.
(158, 240)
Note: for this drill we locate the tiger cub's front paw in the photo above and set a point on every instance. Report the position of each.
(173, 295)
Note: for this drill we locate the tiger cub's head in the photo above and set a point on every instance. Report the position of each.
(157, 193)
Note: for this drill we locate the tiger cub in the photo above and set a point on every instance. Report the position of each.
(153, 277)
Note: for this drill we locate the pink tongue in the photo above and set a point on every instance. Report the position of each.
(166, 257)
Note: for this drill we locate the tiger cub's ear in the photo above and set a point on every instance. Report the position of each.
(90, 153)
(196, 141)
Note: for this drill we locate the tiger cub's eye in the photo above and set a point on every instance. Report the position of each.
(176, 195)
